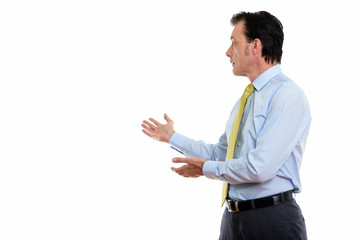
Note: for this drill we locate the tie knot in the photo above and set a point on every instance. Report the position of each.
(249, 89)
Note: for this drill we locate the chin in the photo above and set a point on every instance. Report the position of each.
(236, 73)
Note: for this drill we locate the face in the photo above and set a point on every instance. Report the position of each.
(239, 52)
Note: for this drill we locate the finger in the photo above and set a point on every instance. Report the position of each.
(181, 160)
(180, 170)
(147, 133)
(149, 124)
(186, 171)
(146, 127)
(154, 121)
(167, 119)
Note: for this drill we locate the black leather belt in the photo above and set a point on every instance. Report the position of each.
(236, 206)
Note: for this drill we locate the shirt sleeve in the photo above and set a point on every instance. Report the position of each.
(286, 122)
(196, 148)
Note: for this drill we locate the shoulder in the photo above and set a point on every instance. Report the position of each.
(281, 91)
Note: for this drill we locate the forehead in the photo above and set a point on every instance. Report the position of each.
(238, 31)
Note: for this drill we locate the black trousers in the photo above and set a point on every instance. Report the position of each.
(278, 222)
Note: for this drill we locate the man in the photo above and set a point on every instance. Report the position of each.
(259, 155)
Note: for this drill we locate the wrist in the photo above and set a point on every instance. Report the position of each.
(169, 136)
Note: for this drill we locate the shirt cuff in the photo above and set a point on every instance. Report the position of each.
(178, 140)
(210, 169)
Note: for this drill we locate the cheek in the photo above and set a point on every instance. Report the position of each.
(234, 50)
(236, 53)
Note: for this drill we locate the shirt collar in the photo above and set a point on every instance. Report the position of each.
(266, 76)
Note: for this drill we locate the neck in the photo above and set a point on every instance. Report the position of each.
(259, 69)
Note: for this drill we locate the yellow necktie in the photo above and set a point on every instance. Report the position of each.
(234, 133)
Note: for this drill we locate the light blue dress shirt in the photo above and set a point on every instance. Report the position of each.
(270, 144)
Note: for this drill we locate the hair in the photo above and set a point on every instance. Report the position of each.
(265, 27)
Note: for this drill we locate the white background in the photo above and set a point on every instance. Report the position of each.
(78, 77)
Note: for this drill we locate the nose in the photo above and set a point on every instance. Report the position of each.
(228, 53)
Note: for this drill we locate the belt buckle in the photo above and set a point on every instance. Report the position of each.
(233, 206)
(276, 200)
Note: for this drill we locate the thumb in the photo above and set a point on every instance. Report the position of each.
(180, 160)
(166, 117)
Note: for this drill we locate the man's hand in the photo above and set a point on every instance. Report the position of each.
(158, 131)
(192, 168)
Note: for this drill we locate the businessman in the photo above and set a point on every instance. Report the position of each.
(259, 155)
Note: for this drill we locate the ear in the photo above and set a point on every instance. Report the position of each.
(256, 47)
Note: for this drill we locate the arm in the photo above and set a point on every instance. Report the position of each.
(193, 148)
(198, 149)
